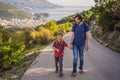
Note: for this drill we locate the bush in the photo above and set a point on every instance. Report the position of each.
(29, 35)
(43, 36)
(10, 49)
(52, 26)
(10, 54)
(107, 15)
(21, 36)
(66, 27)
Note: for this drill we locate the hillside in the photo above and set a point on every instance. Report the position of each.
(28, 4)
(104, 20)
(8, 11)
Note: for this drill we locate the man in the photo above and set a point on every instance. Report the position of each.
(79, 41)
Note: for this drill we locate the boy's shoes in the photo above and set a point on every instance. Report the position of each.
(61, 74)
(56, 71)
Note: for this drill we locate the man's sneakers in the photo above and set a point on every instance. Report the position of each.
(73, 74)
(81, 71)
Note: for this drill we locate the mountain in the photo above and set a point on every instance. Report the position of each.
(8, 11)
(31, 4)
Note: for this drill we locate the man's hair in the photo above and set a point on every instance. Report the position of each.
(59, 33)
(79, 17)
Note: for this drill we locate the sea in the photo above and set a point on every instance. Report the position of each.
(59, 13)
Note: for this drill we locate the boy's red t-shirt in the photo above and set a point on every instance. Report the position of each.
(61, 52)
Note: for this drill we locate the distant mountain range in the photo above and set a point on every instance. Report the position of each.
(31, 4)
(8, 11)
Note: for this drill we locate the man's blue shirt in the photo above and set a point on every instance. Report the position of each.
(80, 34)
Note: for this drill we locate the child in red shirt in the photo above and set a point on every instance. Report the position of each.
(58, 47)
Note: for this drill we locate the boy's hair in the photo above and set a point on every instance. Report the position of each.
(60, 33)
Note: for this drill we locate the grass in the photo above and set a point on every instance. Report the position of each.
(8, 11)
(18, 70)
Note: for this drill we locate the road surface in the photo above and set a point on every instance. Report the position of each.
(101, 63)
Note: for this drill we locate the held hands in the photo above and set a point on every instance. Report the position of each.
(71, 46)
(86, 46)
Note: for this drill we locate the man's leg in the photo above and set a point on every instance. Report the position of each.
(75, 54)
(56, 63)
(81, 55)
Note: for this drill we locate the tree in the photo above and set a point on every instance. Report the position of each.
(100, 2)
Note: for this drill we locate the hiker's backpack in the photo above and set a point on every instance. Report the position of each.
(61, 44)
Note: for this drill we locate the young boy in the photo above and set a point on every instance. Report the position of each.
(58, 47)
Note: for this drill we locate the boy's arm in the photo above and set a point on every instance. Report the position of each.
(66, 45)
(54, 48)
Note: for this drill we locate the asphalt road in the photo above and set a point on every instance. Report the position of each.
(101, 63)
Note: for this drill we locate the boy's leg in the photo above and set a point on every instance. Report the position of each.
(75, 54)
(61, 65)
(81, 55)
(56, 63)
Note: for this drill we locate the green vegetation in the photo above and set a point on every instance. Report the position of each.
(19, 47)
(10, 49)
(104, 20)
(54, 27)
(8, 11)
(106, 15)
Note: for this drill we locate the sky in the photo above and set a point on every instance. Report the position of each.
(73, 2)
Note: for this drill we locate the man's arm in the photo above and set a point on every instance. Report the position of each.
(87, 37)
(72, 38)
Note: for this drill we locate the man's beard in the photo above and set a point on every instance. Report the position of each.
(78, 22)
